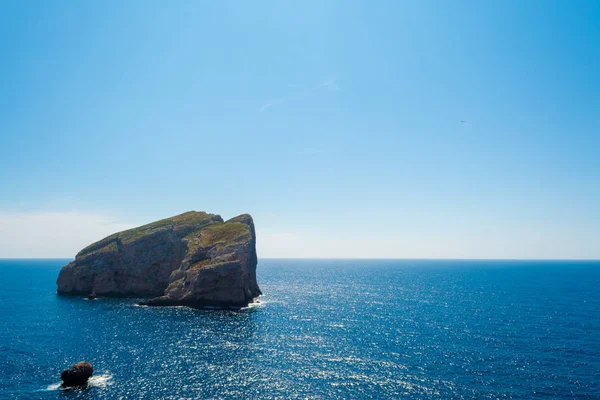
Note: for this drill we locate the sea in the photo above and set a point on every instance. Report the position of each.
(324, 329)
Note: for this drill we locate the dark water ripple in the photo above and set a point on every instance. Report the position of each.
(327, 329)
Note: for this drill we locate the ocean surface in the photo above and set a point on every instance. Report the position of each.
(325, 329)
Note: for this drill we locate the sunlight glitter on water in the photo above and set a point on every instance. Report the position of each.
(356, 330)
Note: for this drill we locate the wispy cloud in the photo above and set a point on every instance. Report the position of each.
(329, 85)
(271, 103)
(54, 233)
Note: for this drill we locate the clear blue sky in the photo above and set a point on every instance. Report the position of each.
(337, 125)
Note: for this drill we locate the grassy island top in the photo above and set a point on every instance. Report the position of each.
(202, 228)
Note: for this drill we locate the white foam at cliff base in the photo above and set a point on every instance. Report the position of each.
(100, 381)
(54, 386)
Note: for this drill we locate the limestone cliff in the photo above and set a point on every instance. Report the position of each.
(193, 259)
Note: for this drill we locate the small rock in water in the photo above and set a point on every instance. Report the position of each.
(78, 375)
(92, 296)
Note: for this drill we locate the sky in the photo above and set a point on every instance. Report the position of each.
(354, 129)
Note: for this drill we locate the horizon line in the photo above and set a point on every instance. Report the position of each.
(364, 258)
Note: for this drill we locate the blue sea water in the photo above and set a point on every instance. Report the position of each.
(325, 329)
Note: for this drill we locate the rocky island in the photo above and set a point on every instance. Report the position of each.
(194, 259)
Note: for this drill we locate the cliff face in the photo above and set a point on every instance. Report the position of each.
(193, 259)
